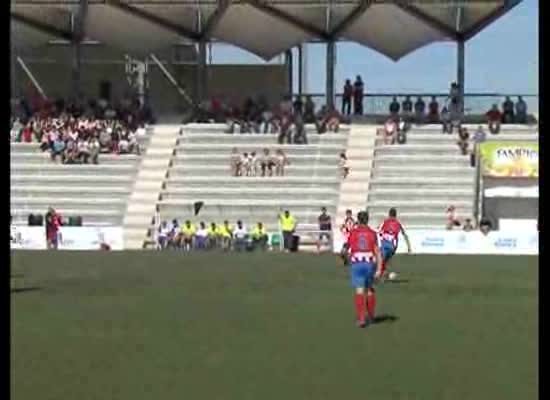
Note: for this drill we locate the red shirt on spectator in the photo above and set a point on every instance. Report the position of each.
(27, 135)
(494, 115)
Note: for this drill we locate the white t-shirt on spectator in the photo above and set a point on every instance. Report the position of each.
(239, 233)
(83, 146)
(202, 233)
(140, 132)
(123, 145)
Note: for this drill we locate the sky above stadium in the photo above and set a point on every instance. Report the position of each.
(502, 58)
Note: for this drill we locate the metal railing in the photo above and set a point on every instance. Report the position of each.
(474, 103)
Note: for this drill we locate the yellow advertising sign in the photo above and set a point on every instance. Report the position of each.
(510, 159)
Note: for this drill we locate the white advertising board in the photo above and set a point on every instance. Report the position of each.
(458, 242)
(70, 238)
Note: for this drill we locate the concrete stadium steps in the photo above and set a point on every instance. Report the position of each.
(78, 169)
(419, 160)
(418, 149)
(427, 183)
(217, 170)
(200, 171)
(432, 138)
(246, 193)
(68, 179)
(107, 217)
(289, 149)
(224, 159)
(44, 158)
(387, 195)
(72, 191)
(261, 139)
(273, 183)
(76, 203)
(419, 170)
(97, 193)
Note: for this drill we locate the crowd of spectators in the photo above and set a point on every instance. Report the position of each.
(189, 236)
(78, 133)
(287, 119)
(264, 164)
(226, 237)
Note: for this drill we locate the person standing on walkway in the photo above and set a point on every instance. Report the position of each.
(346, 98)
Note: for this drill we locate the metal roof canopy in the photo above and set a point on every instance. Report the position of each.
(266, 28)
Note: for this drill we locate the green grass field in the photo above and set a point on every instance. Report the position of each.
(160, 326)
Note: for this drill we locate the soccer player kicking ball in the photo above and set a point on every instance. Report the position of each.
(366, 266)
(389, 235)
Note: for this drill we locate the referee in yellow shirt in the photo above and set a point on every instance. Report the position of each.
(288, 226)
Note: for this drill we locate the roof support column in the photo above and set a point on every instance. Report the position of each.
(300, 70)
(331, 57)
(202, 77)
(460, 76)
(289, 72)
(76, 68)
(78, 34)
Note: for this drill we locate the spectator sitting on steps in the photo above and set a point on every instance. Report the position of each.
(344, 165)
(390, 131)
(281, 162)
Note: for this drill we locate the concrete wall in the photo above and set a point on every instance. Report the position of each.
(52, 67)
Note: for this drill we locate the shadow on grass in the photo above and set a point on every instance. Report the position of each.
(385, 318)
(25, 289)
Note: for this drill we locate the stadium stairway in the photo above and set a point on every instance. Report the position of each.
(200, 171)
(427, 174)
(354, 189)
(97, 193)
(148, 184)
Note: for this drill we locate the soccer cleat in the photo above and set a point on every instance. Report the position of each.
(361, 324)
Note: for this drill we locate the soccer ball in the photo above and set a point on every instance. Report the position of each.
(392, 276)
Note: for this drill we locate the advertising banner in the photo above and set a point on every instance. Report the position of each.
(510, 159)
(69, 238)
(517, 242)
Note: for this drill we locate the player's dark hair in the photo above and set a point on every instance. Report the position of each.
(363, 217)
(393, 212)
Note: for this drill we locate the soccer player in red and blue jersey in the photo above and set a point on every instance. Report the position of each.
(389, 238)
(346, 228)
(366, 266)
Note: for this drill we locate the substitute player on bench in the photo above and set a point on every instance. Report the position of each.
(389, 238)
(366, 266)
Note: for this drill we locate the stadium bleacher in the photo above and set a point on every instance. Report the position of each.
(427, 174)
(200, 171)
(97, 193)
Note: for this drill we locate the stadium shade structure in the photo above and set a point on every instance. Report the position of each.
(266, 28)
